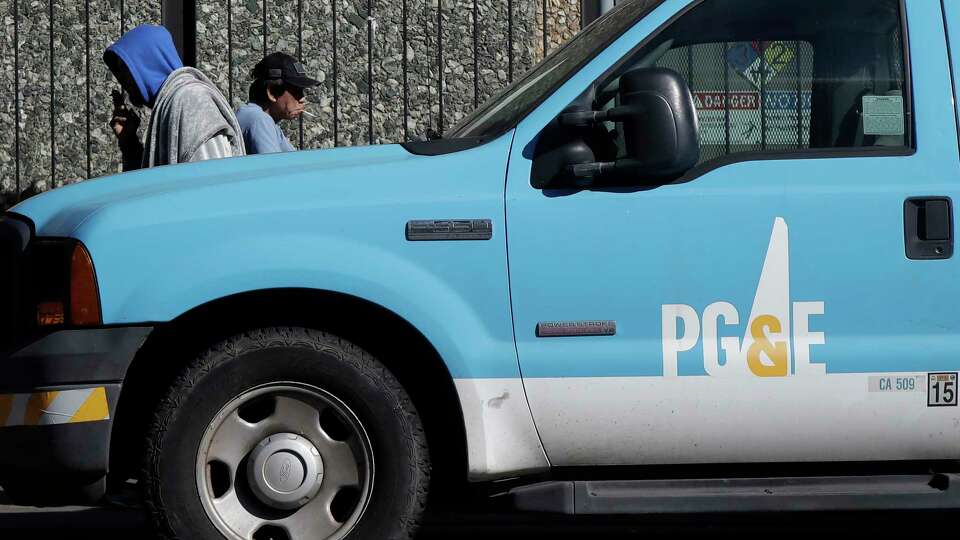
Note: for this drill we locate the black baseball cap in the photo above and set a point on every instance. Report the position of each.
(282, 66)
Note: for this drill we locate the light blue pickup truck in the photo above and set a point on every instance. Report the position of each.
(699, 259)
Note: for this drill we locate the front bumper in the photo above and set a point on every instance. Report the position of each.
(58, 397)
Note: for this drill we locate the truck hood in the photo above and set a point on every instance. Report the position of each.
(237, 185)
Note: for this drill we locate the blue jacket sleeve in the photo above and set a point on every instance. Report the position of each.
(261, 138)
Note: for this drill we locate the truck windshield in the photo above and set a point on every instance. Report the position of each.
(506, 109)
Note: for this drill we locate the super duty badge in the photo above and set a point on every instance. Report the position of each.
(449, 229)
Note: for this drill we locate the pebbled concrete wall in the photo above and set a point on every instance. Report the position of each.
(390, 69)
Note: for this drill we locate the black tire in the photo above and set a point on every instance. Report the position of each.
(271, 355)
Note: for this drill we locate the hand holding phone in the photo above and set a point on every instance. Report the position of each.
(124, 120)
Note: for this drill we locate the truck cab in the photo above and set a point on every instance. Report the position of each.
(701, 258)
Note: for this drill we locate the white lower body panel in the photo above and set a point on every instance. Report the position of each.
(687, 420)
(502, 440)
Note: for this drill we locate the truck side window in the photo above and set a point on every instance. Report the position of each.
(787, 75)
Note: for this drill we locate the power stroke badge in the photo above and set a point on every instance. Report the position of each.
(576, 328)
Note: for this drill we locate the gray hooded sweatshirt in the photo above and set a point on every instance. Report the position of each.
(191, 121)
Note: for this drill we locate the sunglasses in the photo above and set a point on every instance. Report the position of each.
(296, 91)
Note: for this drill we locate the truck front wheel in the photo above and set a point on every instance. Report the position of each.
(286, 433)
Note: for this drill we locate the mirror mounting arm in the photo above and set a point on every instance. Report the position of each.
(585, 174)
(585, 119)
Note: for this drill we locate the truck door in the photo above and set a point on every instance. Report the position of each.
(791, 298)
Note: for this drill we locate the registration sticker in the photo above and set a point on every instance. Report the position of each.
(896, 383)
(942, 389)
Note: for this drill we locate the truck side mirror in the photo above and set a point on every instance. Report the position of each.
(659, 122)
(660, 135)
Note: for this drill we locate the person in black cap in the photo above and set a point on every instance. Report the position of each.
(278, 93)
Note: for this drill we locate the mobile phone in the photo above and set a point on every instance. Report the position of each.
(119, 98)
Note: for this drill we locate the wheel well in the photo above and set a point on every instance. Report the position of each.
(382, 333)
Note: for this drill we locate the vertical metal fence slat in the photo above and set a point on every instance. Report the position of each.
(316, 50)
(336, 81)
(492, 58)
(429, 84)
(422, 67)
(459, 83)
(53, 111)
(16, 90)
(510, 40)
(404, 69)
(546, 29)
(230, 51)
(440, 65)
(281, 34)
(353, 68)
(104, 30)
(249, 37)
(200, 25)
(34, 74)
(86, 39)
(300, 59)
(370, 16)
(68, 106)
(387, 102)
(476, 53)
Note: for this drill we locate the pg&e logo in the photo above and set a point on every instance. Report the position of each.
(767, 348)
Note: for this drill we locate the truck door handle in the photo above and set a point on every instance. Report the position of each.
(928, 228)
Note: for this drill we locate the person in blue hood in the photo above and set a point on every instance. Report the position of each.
(190, 118)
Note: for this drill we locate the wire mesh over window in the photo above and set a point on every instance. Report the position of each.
(750, 96)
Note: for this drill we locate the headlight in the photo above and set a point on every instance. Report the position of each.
(65, 284)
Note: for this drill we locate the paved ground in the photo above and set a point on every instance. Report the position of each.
(114, 524)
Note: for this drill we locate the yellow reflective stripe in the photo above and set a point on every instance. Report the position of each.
(94, 408)
(54, 407)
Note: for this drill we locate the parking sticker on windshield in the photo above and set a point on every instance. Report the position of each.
(883, 115)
